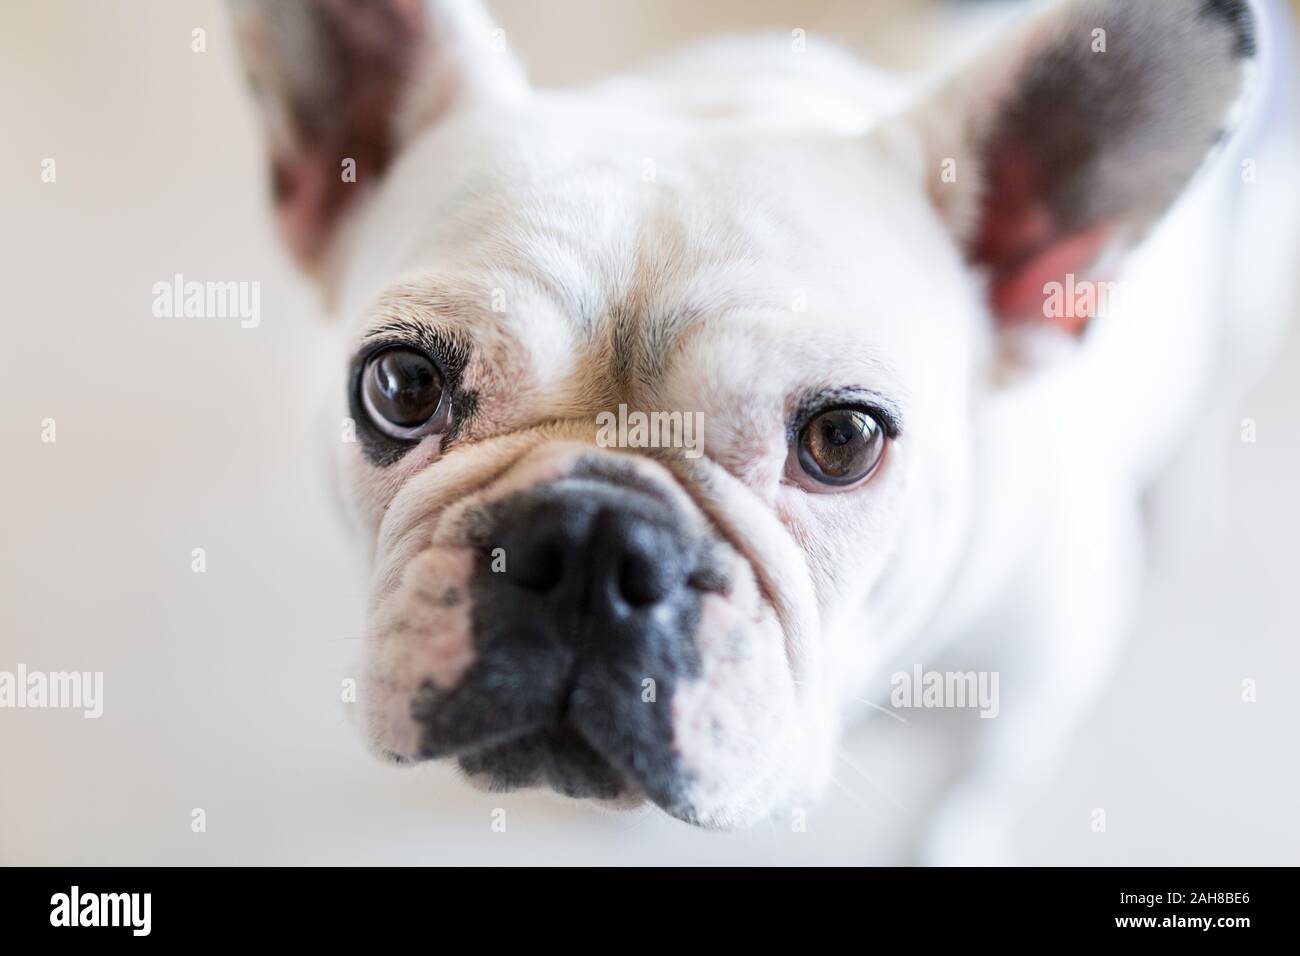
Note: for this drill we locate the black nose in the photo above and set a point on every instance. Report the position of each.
(584, 606)
(588, 566)
(601, 550)
(597, 551)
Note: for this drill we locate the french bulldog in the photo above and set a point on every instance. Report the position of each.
(844, 278)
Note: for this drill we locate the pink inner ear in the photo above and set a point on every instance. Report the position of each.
(1018, 293)
(303, 205)
(1023, 246)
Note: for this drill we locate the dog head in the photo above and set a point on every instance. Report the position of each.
(667, 392)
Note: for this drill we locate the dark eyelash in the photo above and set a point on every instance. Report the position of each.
(874, 404)
(449, 352)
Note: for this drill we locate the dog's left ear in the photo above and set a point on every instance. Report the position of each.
(342, 85)
(1061, 149)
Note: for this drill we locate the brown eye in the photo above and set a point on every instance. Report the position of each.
(402, 391)
(840, 446)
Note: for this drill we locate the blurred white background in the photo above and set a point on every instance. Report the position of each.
(222, 689)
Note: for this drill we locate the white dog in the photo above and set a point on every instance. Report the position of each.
(923, 416)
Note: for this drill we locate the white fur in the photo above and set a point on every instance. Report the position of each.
(1010, 505)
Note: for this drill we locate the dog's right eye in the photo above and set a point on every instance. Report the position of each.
(404, 393)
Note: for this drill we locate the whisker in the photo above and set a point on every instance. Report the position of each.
(863, 774)
(884, 710)
(852, 796)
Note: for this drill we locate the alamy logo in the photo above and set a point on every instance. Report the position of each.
(637, 429)
(59, 690)
(179, 299)
(1085, 299)
(946, 689)
(103, 909)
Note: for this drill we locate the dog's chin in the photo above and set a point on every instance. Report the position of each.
(556, 756)
(560, 758)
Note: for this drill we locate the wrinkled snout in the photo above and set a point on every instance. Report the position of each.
(589, 621)
(585, 599)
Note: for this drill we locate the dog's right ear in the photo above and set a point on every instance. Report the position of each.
(343, 85)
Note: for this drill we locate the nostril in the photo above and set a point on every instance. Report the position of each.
(643, 581)
(648, 566)
(602, 553)
(540, 568)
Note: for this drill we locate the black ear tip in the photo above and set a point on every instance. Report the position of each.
(1237, 15)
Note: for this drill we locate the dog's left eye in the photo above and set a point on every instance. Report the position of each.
(837, 448)
(402, 390)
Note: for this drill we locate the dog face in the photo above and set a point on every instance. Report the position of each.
(813, 280)
(553, 609)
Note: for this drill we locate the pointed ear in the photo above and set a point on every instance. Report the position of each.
(342, 85)
(1053, 155)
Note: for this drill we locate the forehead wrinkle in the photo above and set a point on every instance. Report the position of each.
(794, 362)
(676, 280)
(554, 268)
(463, 307)
(556, 238)
(414, 301)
